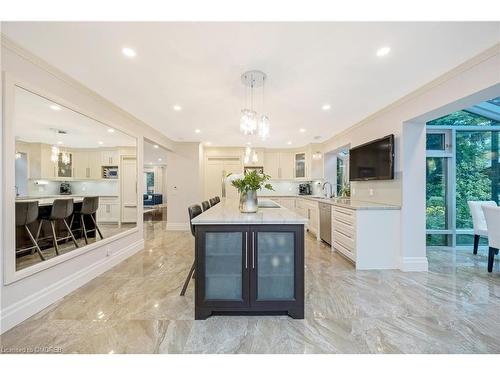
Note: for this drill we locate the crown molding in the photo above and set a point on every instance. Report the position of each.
(60, 75)
(493, 51)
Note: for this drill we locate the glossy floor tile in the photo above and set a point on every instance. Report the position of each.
(136, 308)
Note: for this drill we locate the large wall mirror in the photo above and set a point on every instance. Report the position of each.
(75, 180)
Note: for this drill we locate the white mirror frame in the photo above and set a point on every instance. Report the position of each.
(8, 149)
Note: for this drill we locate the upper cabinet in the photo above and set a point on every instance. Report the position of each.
(280, 165)
(110, 158)
(300, 165)
(87, 165)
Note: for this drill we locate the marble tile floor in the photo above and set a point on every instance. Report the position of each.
(136, 308)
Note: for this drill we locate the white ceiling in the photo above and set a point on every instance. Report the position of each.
(198, 66)
(154, 156)
(35, 121)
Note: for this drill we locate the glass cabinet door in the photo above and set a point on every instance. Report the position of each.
(300, 165)
(224, 266)
(275, 266)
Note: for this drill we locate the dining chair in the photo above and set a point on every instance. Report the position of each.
(213, 202)
(478, 221)
(492, 216)
(89, 208)
(193, 211)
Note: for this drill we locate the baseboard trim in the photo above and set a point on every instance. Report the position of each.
(177, 226)
(414, 264)
(29, 306)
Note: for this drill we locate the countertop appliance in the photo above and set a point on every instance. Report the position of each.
(305, 189)
(65, 188)
(325, 222)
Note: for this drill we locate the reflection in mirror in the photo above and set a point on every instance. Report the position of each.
(75, 180)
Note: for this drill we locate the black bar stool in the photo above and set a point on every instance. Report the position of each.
(90, 205)
(205, 205)
(27, 213)
(217, 199)
(193, 211)
(213, 202)
(61, 210)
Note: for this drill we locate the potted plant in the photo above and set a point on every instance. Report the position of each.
(248, 186)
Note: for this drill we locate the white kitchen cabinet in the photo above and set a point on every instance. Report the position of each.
(272, 164)
(300, 163)
(110, 158)
(287, 165)
(47, 166)
(288, 203)
(109, 210)
(87, 165)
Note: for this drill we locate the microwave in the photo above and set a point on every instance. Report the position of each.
(110, 172)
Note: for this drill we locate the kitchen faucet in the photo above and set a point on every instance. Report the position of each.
(331, 189)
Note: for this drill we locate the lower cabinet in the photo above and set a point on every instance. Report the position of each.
(247, 269)
(109, 210)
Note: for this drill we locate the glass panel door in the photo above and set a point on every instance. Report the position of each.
(223, 266)
(300, 165)
(275, 266)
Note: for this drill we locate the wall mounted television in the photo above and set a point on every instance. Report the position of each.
(373, 160)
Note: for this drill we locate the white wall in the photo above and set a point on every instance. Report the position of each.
(26, 296)
(184, 183)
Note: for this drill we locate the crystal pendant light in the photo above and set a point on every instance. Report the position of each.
(250, 121)
(264, 127)
(54, 154)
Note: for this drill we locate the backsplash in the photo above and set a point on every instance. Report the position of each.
(108, 187)
(290, 188)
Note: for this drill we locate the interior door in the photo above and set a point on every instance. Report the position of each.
(128, 179)
(216, 170)
(275, 265)
(222, 266)
(232, 166)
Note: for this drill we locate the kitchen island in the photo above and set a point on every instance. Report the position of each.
(249, 263)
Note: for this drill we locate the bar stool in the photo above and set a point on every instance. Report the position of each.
(61, 210)
(27, 213)
(217, 199)
(193, 211)
(213, 202)
(90, 205)
(205, 205)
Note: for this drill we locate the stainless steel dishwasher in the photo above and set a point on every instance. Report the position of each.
(325, 222)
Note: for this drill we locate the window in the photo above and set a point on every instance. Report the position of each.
(462, 164)
(149, 182)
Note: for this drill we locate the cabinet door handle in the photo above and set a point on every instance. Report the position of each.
(246, 250)
(253, 250)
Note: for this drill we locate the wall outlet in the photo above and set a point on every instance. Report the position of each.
(370, 192)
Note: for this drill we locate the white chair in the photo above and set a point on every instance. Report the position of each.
(492, 215)
(478, 222)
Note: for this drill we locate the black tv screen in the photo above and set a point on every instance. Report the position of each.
(373, 160)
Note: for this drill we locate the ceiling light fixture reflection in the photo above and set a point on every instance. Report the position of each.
(100, 142)
(326, 107)
(110, 130)
(177, 108)
(55, 107)
(302, 130)
(197, 131)
(383, 51)
(156, 146)
(129, 52)
(289, 143)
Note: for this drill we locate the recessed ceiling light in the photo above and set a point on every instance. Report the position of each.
(289, 143)
(302, 130)
(326, 107)
(177, 108)
(208, 143)
(156, 146)
(129, 52)
(383, 51)
(150, 162)
(101, 142)
(159, 159)
(59, 142)
(249, 143)
(111, 130)
(197, 131)
(55, 107)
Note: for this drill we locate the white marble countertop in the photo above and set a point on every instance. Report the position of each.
(50, 201)
(341, 202)
(227, 212)
(36, 197)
